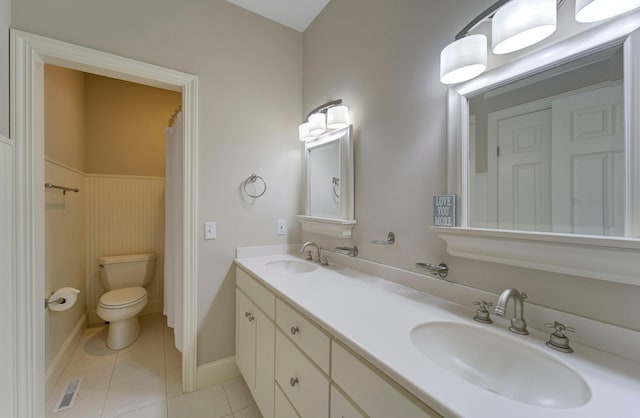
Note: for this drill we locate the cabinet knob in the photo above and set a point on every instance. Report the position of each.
(246, 314)
(294, 330)
(249, 316)
(293, 381)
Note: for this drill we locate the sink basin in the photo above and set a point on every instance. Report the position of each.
(291, 266)
(502, 365)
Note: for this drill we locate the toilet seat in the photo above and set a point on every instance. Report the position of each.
(122, 298)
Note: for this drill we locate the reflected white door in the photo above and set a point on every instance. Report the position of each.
(479, 212)
(588, 163)
(524, 181)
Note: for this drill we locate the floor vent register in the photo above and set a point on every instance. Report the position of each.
(68, 397)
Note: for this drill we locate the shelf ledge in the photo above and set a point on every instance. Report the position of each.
(337, 228)
(602, 258)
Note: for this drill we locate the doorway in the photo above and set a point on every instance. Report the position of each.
(29, 54)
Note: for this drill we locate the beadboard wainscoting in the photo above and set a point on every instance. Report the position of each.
(64, 259)
(125, 215)
(64, 250)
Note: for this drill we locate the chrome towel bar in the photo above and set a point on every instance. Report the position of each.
(63, 188)
(391, 239)
(440, 270)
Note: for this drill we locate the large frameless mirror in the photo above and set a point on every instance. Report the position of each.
(544, 155)
(547, 152)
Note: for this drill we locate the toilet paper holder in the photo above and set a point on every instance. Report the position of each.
(53, 302)
(62, 299)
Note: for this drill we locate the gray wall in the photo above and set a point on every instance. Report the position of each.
(382, 58)
(250, 86)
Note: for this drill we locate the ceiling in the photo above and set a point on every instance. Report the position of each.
(296, 14)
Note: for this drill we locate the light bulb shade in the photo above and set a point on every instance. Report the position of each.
(595, 10)
(338, 117)
(317, 124)
(463, 59)
(303, 132)
(522, 23)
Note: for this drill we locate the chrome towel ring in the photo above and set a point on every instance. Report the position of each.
(252, 179)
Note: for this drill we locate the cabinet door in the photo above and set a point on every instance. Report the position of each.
(341, 407)
(283, 407)
(367, 387)
(246, 339)
(265, 363)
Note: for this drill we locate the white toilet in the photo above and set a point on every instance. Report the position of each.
(123, 277)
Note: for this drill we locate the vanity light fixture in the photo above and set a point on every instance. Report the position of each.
(338, 117)
(303, 132)
(516, 24)
(596, 10)
(317, 124)
(463, 59)
(522, 23)
(325, 118)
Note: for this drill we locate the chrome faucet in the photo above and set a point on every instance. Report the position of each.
(518, 324)
(310, 255)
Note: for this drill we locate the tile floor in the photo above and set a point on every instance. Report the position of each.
(143, 381)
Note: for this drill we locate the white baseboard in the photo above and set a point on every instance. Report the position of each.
(64, 354)
(153, 306)
(217, 371)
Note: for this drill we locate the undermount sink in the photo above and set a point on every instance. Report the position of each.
(501, 364)
(291, 266)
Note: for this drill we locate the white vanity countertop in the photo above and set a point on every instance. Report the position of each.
(375, 317)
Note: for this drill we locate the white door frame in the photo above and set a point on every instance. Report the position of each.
(29, 53)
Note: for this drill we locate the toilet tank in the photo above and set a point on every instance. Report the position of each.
(117, 272)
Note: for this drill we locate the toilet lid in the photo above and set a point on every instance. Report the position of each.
(123, 297)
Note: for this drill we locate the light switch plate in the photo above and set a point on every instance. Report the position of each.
(282, 227)
(209, 230)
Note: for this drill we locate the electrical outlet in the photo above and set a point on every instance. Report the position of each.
(282, 227)
(209, 230)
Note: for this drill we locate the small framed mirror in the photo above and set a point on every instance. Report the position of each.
(330, 192)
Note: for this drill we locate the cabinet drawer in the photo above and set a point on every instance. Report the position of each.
(372, 392)
(314, 342)
(283, 407)
(341, 407)
(302, 382)
(256, 292)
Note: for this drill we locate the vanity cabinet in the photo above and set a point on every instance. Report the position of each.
(245, 338)
(255, 340)
(283, 407)
(373, 392)
(341, 407)
(314, 342)
(300, 380)
(294, 368)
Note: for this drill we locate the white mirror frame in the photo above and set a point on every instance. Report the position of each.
(339, 227)
(604, 258)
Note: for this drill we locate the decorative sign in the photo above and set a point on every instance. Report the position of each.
(444, 210)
